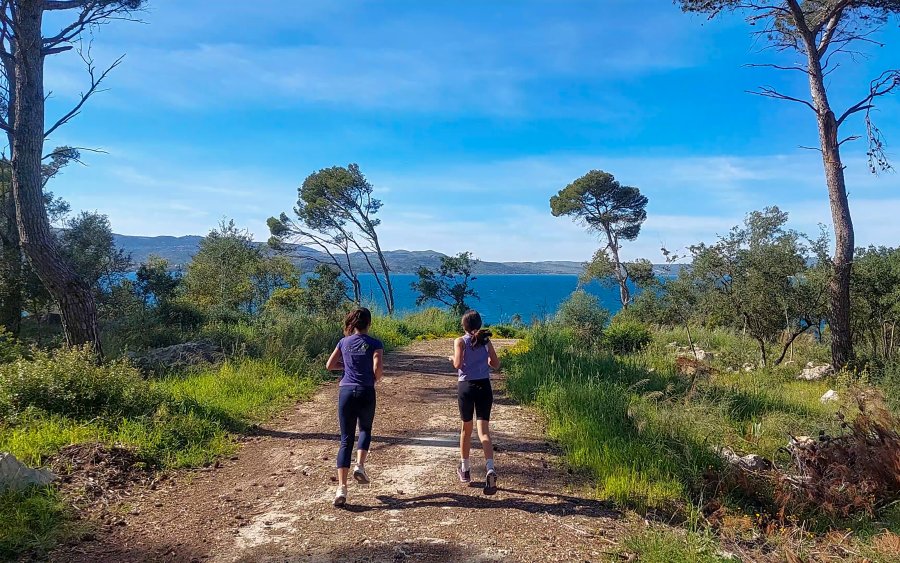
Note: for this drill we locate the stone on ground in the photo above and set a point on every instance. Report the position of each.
(16, 476)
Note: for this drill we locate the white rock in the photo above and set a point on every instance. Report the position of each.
(748, 367)
(698, 353)
(814, 372)
(750, 462)
(829, 396)
(16, 476)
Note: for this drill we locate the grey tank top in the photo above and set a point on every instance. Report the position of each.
(474, 361)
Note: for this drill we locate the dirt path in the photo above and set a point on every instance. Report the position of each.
(272, 501)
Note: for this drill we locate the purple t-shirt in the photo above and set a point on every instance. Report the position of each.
(358, 352)
(474, 361)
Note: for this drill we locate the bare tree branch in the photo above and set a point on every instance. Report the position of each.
(882, 85)
(95, 83)
(769, 92)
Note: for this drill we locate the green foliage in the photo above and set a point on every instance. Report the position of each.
(324, 296)
(87, 242)
(626, 336)
(659, 546)
(33, 521)
(449, 284)
(426, 324)
(759, 277)
(616, 212)
(70, 382)
(230, 274)
(875, 293)
(645, 432)
(583, 315)
(603, 204)
(337, 214)
(11, 348)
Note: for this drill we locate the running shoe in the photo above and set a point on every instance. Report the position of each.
(464, 476)
(359, 473)
(340, 498)
(490, 482)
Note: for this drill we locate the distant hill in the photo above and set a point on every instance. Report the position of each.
(179, 251)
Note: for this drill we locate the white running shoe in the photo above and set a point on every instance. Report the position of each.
(490, 482)
(340, 497)
(359, 473)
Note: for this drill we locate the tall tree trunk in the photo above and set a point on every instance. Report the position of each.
(621, 273)
(839, 287)
(11, 296)
(73, 296)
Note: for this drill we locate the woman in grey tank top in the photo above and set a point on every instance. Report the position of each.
(473, 357)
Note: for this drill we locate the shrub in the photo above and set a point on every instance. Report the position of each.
(583, 314)
(840, 476)
(10, 347)
(627, 336)
(293, 340)
(889, 382)
(72, 383)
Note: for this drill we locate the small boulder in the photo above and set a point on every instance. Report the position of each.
(749, 462)
(829, 396)
(813, 372)
(180, 356)
(16, 476)
(696, 353)
(748, 367)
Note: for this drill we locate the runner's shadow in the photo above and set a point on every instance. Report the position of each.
(451, 441)
(558, 505)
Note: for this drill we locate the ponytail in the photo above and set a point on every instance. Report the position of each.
(481, 338)
(471, 323)
(357, 320)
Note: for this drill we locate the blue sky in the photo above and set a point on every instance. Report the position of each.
(465, 115)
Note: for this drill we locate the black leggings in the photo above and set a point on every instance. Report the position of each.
(356, 404)
(475, 397)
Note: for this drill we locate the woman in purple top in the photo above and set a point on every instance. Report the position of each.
(360, 357)
(473, 357)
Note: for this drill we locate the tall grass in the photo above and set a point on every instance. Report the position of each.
(638, 427)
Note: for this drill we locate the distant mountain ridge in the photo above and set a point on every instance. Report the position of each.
(179, 251)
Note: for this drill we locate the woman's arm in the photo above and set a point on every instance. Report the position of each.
(493, 358)
(335, 361)
(378, 364)
(456, 358)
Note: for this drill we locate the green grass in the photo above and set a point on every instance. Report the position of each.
(192, 419)
(658, 546)
(33, 521)
(629, 422)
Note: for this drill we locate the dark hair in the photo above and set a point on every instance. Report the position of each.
(471, 323)
(358, 319)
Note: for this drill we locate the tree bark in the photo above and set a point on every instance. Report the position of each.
(11, 296)
(839, 287)
(73, 296)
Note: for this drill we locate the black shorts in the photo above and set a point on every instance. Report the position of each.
(475, 396)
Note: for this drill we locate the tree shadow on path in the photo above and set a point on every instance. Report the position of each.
(545, 503)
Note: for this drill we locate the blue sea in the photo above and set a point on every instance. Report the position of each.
(500, 296)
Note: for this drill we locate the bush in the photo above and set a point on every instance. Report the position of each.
(507, 331)
(583, 315)
(72, 383)
(294, 340)
(889, 382)
(10, 347)
(627, 336)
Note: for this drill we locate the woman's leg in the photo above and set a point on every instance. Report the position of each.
(347, 418)
(466, 415)
(484, 434)
(465, 439)
(366, 420)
